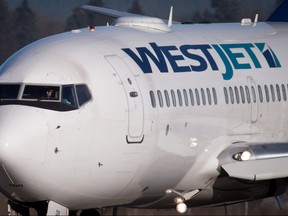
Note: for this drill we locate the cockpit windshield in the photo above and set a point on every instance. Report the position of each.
(9, 91)
(61, 97)
(33, 92)
(68, 95)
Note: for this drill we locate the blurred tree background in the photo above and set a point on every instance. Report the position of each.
(7, 35)
(20, 25)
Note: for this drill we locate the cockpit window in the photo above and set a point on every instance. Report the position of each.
(33, 92)
(9, 91)
(68, 95)
(83, 94)
(53, 97)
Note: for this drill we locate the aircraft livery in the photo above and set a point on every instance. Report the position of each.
(200, 56)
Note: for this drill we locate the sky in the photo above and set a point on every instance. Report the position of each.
(56, 16)
(183, 9)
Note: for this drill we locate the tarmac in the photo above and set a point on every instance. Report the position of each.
(268, 206)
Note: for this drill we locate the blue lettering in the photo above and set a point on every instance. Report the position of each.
(229, 70)
(235, 55)
(269, 55)
(202, 63)
(252, 55)
(207, 54)
(244, 57)
(173, 58)
(143, 61)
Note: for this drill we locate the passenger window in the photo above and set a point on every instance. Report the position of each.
(191, 97)
(167, 99)
(237, 95)
(253, 94)
(185, 97)
(266, 93)
(83, 94)
(173, 98)
(197, 97)
(260, 93)
(214, 96)
(9, 91)
(226, 95)
(248, 94)
(231, 95)
(152, 97)
(242, 94)
(209, 96)
(203, 96)
(284, 92)
(68, 95)
(278, 92)
(160, 98)
(179, 97)
(272, 93)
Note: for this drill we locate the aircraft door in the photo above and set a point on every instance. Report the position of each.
(134, 99)
(254, 99)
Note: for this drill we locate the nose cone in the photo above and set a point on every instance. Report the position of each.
(23, 139)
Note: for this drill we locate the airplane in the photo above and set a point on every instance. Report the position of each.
(146, 113)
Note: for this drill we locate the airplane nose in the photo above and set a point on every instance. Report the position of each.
(23, 139)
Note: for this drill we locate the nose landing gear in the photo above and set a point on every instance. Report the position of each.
(181, 197)
(181, 207)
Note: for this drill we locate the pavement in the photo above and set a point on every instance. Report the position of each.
(268, 206)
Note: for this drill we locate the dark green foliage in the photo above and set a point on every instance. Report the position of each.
(7, 35)
(25, 25)
(135, 8)
(225, 10)
(81, 19)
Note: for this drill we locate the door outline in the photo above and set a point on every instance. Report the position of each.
(134, 99)
(254, 110)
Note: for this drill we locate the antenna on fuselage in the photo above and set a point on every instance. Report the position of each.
(170, 20)
(256, 18)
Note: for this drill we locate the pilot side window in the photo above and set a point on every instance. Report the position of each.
(83, 94)
(68, 95)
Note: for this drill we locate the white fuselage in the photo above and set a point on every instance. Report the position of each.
(122, 147)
